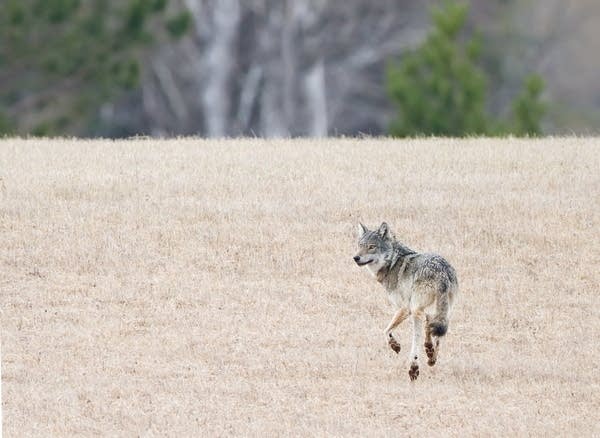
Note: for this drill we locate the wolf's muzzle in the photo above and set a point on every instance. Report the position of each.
(359, 263)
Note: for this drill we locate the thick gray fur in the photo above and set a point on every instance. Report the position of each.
(415, 283)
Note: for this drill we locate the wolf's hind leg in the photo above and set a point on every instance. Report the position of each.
(413, 372)
(431, 346)
(399, 316)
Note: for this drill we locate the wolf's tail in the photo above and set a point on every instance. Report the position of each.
(438, 325)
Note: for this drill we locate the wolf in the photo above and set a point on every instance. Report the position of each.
(422, 286)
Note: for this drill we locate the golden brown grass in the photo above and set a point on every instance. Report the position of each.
(188, 286)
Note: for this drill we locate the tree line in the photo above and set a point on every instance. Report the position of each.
(62, 61)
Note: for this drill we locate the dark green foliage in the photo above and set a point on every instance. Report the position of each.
(527, 108)
(56, 11)
(60, 60)
(5, 125)
(179, 24)
(439, 88)
(137, 12)
(158, 5)
(125, 73)
(42, 130)
(15, 13)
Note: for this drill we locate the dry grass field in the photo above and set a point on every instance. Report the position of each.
(207, 288)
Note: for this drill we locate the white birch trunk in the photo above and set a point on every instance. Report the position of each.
(219, 64)
(314, 84)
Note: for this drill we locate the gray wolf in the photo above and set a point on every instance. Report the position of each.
(422, 286)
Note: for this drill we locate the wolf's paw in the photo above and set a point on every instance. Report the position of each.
(430, 353)
(394, 345)
(413, 372)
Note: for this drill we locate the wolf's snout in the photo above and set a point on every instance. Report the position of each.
(357, 259)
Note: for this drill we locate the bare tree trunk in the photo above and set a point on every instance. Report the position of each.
(220, 63)
(280, 68)
(250, 90)
(317, 99)
(272, 119)
(288, 61)
(169, 88)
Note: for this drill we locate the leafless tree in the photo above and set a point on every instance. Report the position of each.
(280, 68)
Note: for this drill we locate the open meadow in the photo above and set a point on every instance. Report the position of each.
(206, 287)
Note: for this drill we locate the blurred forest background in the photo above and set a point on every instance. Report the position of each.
(216, 68)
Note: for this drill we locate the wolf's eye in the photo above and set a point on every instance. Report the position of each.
(371, 247)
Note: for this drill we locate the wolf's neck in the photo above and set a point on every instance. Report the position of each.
(399, 253)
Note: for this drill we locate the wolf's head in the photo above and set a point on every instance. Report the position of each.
(375, 248)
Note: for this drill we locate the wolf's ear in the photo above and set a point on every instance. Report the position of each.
(361, 230)
(384, 230)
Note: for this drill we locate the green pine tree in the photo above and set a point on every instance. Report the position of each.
(60, 60)
(528, 110)
(439, 89)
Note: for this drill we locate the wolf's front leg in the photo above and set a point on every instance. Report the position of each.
(417, 319)
(399, 316)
